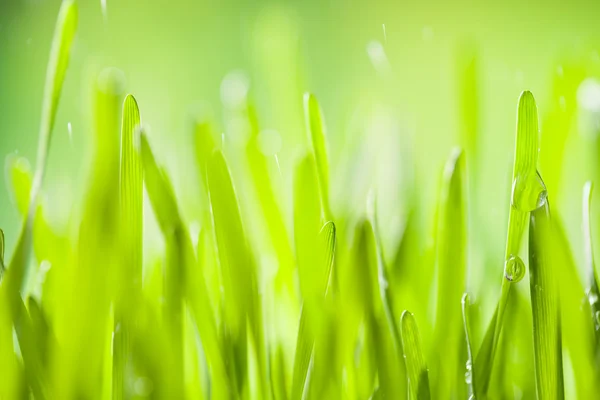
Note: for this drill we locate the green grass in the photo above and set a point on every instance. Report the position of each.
(287, 295)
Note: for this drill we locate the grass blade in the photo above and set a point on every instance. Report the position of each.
(452, 262)
(64, 34)
(593, 292)
(418, 378)
(315, 125)
(528, 192)
(130, 272)
(240, 289)
(131, 194)
(545, 308)
(311, 315)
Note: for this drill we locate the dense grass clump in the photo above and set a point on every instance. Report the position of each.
(331, 311)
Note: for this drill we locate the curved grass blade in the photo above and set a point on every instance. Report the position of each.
(131, 194)
(270, 207)
(307, 216)
(130, 272)
(418, 378)
(241, 299)
(162, 197)
(528, 193)
(315, 125)
(471, 361)
(307, 222)
(311, 314)
(593, 292)
(545, 308)
(451, 264)
(379, 314)
(64, 34)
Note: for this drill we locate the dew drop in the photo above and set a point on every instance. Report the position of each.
(469, 373)
(528, 192)
(514, 269)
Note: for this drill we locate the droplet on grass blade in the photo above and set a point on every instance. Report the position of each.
(528, 192)
(514, 269)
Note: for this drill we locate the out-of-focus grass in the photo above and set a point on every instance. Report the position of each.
(277, 289)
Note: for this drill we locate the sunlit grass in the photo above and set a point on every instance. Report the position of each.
(83, 315)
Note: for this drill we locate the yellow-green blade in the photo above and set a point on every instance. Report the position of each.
(307, 222)
(545, 307)
(311, 315)
(451, 266)
(593, 292)
(131, 193)
(64, 34)
(418, 375)
(315, 125)
(240, 291)
(528, 193)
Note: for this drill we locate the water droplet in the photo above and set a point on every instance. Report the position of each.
(70, 132)
(514, 269)
(528, 192)
(468, 377)
(384, 33)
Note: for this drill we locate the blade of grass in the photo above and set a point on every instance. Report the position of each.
(593, 293)
(315, 126)
(528, 192)
(311, 315)
(64, 34)
(545, 305)
(418, 377)
(242, 302)
(180, 250)
(451, 263)
(269, 205)
(130, 273)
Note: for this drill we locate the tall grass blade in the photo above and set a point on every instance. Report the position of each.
(528, 193)
(418, 375)
(593, 292)
(545, 307)
(130, 272)
(315, 125)
(451, 263)
(311, 315)
(269, 204)
(241, 300)
(131, 195)
(64, 34)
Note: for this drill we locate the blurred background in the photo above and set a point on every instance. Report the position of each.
(400, 84)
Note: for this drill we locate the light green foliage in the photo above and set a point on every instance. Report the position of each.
(315, 125)
(451, 265)
(270, 279)
(418, 375)
(528, 193)
(545, 306)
